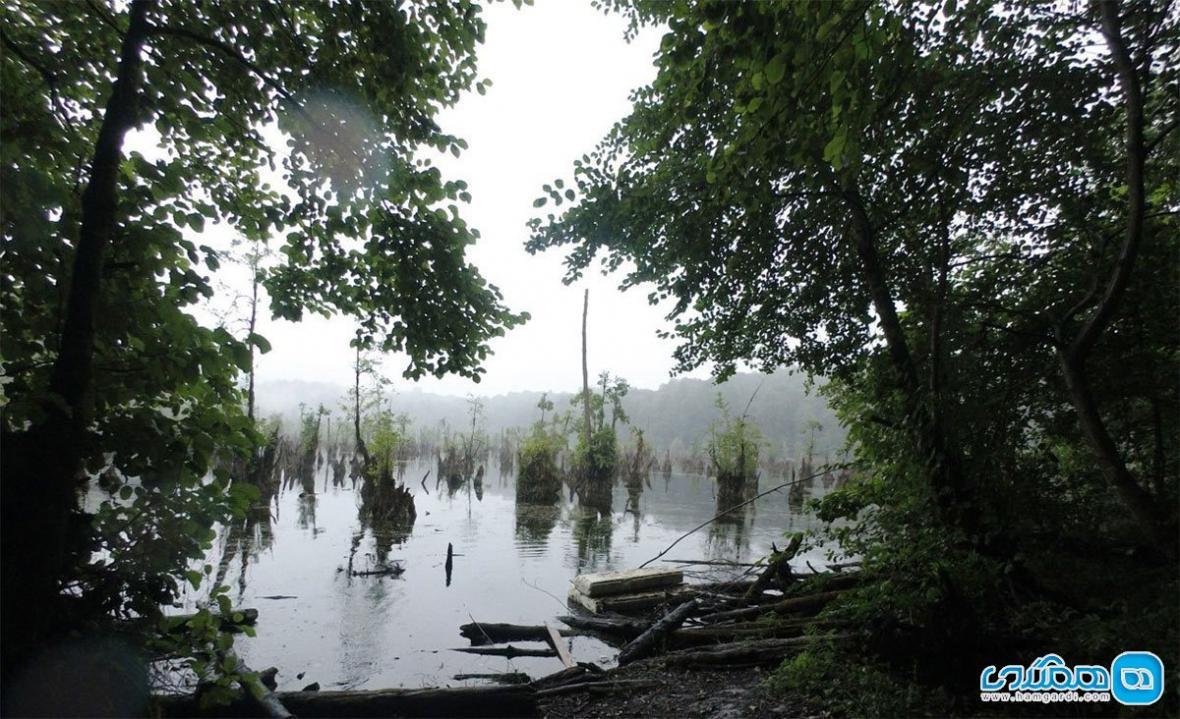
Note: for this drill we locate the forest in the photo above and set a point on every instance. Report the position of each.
(928, 254)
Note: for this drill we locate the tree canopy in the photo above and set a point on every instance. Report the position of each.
(306, 127)
(965, 215)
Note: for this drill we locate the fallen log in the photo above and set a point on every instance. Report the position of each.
(508, 651)
(648, 642)
(629, 603)
(738, 654)
(775, 566)
(252, 684)
(734, 587)
(622, 626)
(600, 686)
(480, 633)
(395, 570)
(806, 604)
(724, 634)
(499, 677)
(582, 672)
(711, 562)
(490, 701)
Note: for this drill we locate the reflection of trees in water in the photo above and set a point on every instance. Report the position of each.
(245, 538)
(305, 519)
(535, 522)
(592, 534)
(729, 536)
(387, 512)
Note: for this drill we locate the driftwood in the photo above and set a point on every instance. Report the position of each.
(753, 653)
(481, 633)
(394, 570)
(491, 701)
(737, 586)
(648, 642)
(558, 646)
(508, 651)
(806, 604)
(711, 562)
(621, 626)
(265, 698)
(775, 566)
(727, 633)
(600, 686)
(498, 678)
(582, 672)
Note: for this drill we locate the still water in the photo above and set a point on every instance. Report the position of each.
(513, 563)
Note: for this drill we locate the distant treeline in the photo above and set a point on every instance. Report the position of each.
(675, 417)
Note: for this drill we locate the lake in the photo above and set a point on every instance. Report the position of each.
(513, 563)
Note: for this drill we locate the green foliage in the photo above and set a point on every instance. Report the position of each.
(364, 226)
(599, 460)
(843, 683)
(538, 477)
(734, 444)
(383, 443)
(933, 206)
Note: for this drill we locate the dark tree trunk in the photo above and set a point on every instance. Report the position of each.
(1073, 353)
(356, 416)
(949, 484)
(40, 467)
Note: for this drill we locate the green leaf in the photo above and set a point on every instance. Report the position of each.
(776, 69)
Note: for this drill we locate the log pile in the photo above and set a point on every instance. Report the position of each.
(627, 592)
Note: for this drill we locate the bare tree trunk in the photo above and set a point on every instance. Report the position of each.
(356, 417)
(253, 322)
(586, 428)
(41, 465)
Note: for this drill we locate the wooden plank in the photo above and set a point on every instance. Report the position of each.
(604, 584)
(554, 640)
(629, 602)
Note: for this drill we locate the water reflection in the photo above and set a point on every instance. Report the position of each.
(593, 530)
(295, 556)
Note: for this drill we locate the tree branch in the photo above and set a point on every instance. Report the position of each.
(1136, 199)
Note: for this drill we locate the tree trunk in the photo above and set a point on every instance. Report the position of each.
(250, 337)
(356, 417)
(586, 427)
(949, 485)
(1072, 355)
(40, 468)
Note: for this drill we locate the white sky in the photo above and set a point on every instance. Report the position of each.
(561, 74)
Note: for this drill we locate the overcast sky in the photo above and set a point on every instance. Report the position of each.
(561, 75)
